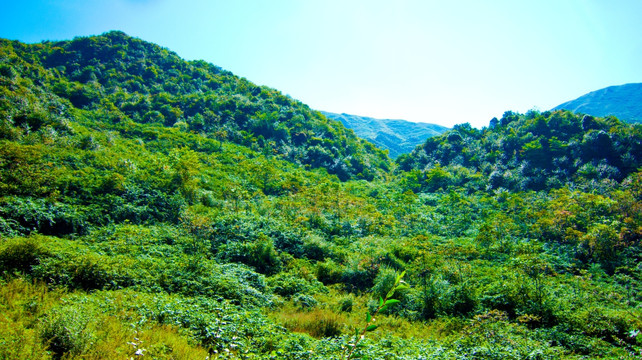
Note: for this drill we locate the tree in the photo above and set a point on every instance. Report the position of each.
(187, 165)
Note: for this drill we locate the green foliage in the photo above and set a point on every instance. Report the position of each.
(259, 254)
(384, 303)
(491, 336)
(28, 215)
(146, 197)
(21, 254)
(534, 151)
(289, 285)
(126, 78)
(65, 331)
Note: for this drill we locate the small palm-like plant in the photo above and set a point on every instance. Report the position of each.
(384, 303)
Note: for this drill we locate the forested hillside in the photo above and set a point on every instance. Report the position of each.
(157, 208)
(535, 151)
(126, 79)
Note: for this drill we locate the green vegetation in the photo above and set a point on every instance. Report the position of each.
(536, 151)
(153, 207)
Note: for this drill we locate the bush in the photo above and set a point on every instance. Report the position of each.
(259, 254)
(82, 271)
(317, 249)
(346, 304)
(288, 285)
(458, 300)
(360, 275)
(65, 331)
(328, 272)
(45, 217)
(383, 282)
(305, 301)
(230, 281)
(491, 336)
(10, 227)
(20, 254)
(604, 324)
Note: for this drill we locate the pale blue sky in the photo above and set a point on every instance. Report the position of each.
(444, 62)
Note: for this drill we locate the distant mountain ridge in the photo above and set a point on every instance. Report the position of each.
(397, 136)
(621, 101)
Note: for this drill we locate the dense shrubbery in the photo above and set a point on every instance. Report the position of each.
(535, 151)
(161, 207)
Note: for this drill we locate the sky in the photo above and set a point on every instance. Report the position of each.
(442, 62)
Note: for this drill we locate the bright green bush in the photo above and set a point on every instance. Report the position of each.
(45, 217)
(328, 272)
(21, 254)
(289, 284)
(65, 331)
(260, 254)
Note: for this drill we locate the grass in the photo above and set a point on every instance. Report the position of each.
(328, 319)
(40, 323)
(22, 303)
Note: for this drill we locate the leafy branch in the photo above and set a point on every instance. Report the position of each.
(384, 303)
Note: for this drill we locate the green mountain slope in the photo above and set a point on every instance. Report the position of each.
(165, 214)
(130, 79)
(623, 102)
(396, 136)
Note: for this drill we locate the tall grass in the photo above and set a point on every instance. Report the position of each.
(39, 323)
(22, 303)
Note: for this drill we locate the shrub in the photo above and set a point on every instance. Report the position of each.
(81, 271)
(491, 336)
(328, 272)
(384, 281)
(288, 285)
(317, 249)
(45, 217)
(259, 254)
(64, 330)
(305, 301)
(346, 304)
(360, 275)
(458, 300)
(20, 254)
(10, 227)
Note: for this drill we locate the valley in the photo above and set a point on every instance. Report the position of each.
(155, 207)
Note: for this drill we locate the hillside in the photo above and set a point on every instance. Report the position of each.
(396, 136)
(154, 208)
(127, 79)
(535, 151)
(623, 102)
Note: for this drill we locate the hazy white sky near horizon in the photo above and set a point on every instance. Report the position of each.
(443, 62)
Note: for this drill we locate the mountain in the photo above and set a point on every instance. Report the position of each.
(168, 209)
(132, 80)
(397, 136)
(623, 102)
